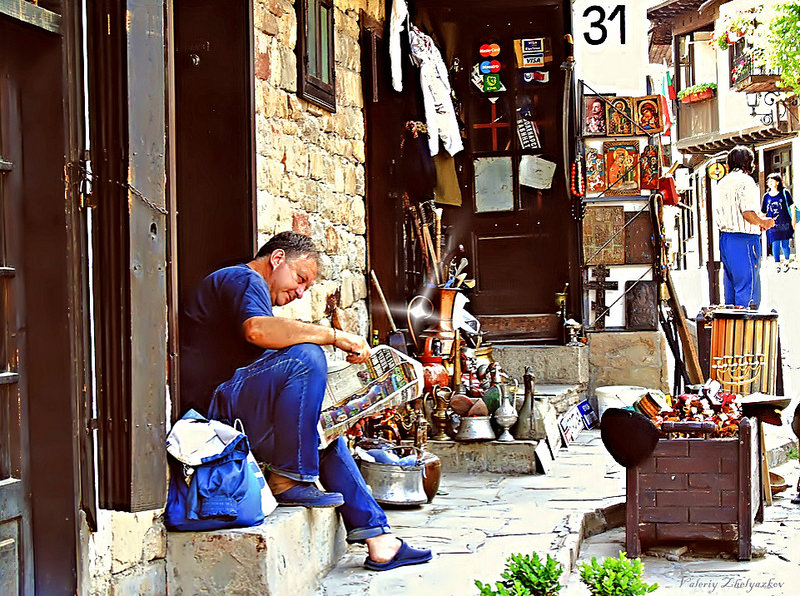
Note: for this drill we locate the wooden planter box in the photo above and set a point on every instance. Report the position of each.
(695, 97)
(696, 489)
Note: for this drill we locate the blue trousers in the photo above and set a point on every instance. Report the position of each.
(278, 398)
(741, 261)
(779, 246)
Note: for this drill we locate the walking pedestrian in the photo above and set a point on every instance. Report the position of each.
(737, 214)
(777, 204)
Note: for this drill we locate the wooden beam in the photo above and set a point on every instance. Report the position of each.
(31, 14)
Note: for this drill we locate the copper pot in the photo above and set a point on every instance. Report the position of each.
(431, 474)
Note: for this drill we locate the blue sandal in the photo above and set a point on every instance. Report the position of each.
(308, 495)
(407, 555)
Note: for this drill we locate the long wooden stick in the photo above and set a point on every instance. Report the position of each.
(383, 299)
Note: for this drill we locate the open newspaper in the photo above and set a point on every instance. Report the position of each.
(388, 379)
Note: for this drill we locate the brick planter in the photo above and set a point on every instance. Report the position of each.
(696, 490)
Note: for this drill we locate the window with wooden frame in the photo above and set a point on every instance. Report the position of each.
(316, 63)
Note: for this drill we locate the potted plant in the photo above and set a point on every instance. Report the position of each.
(615, 577)
(526, 576)
(697, 93)
(731, 29)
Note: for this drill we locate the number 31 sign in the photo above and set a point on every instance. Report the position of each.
(602, 24)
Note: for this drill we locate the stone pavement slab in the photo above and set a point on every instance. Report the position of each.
(776, 573)
(479, 520)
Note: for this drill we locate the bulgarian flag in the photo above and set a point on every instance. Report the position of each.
(667, 95)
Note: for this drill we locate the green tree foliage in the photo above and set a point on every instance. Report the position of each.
(782, 48)
(526, 576)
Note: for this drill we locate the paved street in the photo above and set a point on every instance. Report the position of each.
(484, 518)
(776, 573)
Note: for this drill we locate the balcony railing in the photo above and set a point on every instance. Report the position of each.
(698, 119)
(751, 78)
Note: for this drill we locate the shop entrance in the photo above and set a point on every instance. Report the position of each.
(520, 237)
(214, 142)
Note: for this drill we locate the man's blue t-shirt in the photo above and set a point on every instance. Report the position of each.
(212, 344)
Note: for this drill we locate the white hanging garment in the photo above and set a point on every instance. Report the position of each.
(398, 17)
(440, 115)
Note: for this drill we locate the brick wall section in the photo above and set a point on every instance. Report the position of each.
(310, 162)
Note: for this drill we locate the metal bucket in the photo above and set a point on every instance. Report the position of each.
(475, 428)
(394, 485)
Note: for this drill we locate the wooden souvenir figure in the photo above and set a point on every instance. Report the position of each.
(648, 115)
(595, 171)
(619, 117)
(594, 121)
(650, 167)
(622, 168)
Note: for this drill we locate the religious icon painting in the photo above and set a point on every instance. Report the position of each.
(594, 115)
(595, 171)
(490, 126)
(619, 117)
(648, 115)
(622, 168)
(650, 167)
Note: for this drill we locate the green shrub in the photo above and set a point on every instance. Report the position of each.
(615, 577)
(526, 576)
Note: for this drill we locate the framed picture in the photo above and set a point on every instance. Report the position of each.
(622, 167)
(650, 167)
(619, 117)
(595, 170)
(594, 115)
(648, 115)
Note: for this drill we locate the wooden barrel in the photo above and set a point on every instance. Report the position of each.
(744, 350)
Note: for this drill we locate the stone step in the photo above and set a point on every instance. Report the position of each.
(551, 364)
(287, 555)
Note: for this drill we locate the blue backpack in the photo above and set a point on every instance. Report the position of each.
(215, 482)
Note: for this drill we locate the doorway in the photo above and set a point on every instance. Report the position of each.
(521, 240)
(214, 141)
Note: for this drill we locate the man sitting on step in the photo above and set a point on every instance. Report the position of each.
(240, 361)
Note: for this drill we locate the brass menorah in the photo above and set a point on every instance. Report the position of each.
(734, 372)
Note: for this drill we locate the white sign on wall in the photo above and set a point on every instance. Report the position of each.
(611, 44)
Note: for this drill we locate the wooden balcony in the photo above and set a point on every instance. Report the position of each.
(748, 78)
(698, 119)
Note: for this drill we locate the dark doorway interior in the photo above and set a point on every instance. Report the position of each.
(214, 137)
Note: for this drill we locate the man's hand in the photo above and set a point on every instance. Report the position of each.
(356, 346)
(765, 223)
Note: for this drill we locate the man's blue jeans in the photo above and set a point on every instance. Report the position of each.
(741, 261)
(278, 399)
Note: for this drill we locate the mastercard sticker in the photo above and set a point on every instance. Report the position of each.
(489, 50)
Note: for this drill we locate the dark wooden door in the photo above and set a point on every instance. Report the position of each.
(214, 140)
(521, 241)
(15, 545)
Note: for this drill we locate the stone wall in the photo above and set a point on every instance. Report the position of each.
(628, 358)
(310, 162)
(127, 554)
